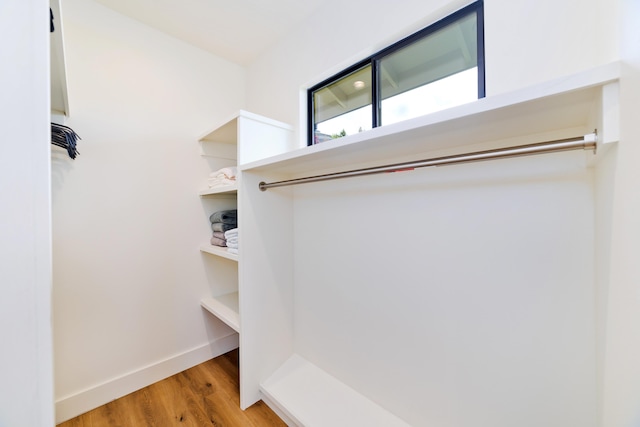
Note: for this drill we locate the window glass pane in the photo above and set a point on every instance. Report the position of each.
(437, 72)
(343, 107)
(445, 93)
(353, 122)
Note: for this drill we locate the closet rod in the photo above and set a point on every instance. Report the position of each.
(586, 142)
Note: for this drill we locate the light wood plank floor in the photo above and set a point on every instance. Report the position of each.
(205, 395)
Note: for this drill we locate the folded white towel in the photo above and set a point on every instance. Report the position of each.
(220, 182)
(223, 177)
(232, 250)
(231, 237)
(228, 172)
(230, 234)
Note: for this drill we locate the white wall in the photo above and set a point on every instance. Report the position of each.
(526, 42)
(622, 353)
(127, 221)
(26, 366)
(455, 296)
(480, 304)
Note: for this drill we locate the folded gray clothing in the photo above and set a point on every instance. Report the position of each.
(218, 242)
(218, 226)
(219, 235)
(226, 217)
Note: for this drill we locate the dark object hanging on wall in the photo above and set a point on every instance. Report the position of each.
(51, 28)
(65, 137)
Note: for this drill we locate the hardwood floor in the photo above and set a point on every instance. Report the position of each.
(205, 395)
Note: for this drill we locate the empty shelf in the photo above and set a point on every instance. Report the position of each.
(298, 385)
(225, 308)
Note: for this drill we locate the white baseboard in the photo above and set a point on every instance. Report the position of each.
(71, 406)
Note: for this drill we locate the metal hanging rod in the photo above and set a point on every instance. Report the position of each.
(586, 142)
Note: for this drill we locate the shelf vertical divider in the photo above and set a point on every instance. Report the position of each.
(266, 276)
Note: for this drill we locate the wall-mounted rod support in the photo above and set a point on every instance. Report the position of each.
(587, 142)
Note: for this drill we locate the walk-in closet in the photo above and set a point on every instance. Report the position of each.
(168, 199)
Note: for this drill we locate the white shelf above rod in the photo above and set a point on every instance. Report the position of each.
(586, 142)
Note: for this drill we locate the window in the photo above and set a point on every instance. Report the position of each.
(438, 67)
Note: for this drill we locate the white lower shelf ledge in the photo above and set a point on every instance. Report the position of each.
(305, 395)
(228, 190)
(219, 251)
(225, 308)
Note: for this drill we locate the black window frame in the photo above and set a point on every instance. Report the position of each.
(476, 7)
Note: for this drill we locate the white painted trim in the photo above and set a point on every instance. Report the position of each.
(59, 85)
(280, 410)
(73, 405)
(247, 115)
(265, 120)
(308, 396)
(610, 131)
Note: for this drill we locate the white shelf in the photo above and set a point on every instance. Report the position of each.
(219, 251)
(227, 131)
(226, 190)
(59, 98)
(310, 397)
(561, 105)
(261, 137)
(225, 308)
(297, 389)
(242, 138)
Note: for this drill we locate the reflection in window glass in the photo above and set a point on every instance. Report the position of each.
(438, 67)
(347, 124)
(446, 93)
(340, 108)
(437, 72)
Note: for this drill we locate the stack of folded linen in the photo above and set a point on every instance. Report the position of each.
(222, 177)
(231, 236)
(222, 221)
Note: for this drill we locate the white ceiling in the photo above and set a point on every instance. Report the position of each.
(237, 30)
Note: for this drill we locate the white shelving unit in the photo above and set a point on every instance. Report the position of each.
(59, 99)
(225, 308)
(229, 190)
(554, 109)
(219, 149)
(270, 367)
(219, 251)
(243, 137)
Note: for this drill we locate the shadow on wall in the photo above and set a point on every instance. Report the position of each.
(61, 165)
